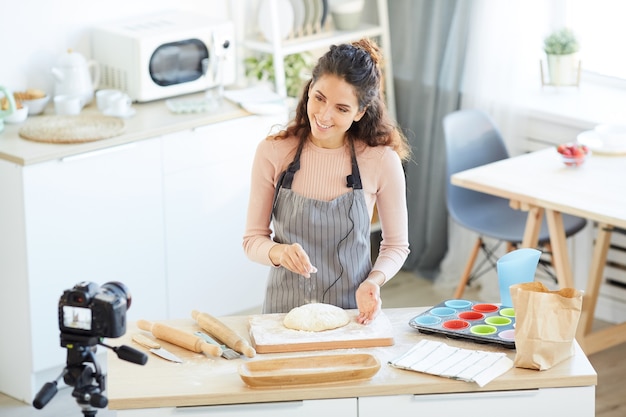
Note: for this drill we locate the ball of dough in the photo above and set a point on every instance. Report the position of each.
(316, 317)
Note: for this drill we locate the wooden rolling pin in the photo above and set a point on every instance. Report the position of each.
(224, 333)
(179, 337)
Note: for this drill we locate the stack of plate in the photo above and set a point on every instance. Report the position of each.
(295, 18)
(605, 139)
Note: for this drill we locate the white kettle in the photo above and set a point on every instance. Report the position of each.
(75, 76)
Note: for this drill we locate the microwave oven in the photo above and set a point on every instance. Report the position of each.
(165, 54)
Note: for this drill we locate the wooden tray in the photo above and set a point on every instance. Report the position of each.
(305, 370)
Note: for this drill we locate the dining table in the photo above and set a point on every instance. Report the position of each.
(541, 184)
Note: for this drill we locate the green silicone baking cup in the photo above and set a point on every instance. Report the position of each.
(483, 329)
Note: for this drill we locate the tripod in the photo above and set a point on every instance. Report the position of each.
(83, 373)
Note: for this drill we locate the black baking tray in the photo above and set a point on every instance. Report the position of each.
(471, 320)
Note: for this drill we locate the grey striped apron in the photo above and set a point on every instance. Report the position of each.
(336, 236)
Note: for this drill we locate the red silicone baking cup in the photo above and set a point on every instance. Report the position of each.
(455, 324)
(471, 315)
(485, 308)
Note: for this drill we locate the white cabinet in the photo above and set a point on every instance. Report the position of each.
(344, 407)
(93, 217)
(165, 216)
(375, 24)
(206, 190)
(573, 401)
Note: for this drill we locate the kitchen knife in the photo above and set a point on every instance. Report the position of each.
(155, 348)
(223, 333)
(179, 337)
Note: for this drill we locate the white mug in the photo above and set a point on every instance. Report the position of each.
(67, 105)
(119, 104)
(104, 97)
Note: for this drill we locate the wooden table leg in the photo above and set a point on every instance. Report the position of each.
(598, 261)
(560, 256)
(597, 341)
(533, 227)
(603, 339)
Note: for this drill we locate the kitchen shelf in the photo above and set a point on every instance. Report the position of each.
(320, 40)
(280, 48)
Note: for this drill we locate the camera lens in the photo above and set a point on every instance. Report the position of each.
(120, 290)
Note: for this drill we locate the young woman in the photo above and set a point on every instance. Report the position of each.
(317, 182)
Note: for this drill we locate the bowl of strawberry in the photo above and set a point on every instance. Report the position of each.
(573, 154)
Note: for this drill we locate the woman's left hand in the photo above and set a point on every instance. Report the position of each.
(368, 301)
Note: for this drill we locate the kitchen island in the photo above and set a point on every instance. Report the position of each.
(158, 208)
(205, 385)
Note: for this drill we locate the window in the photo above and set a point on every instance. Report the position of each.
(599, 25)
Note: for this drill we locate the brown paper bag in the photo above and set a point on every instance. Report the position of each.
(545, 324)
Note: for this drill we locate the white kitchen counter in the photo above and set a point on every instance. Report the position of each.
(203, 385)
(152, 119)
(157, 208)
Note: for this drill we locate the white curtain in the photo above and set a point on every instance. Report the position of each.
(502, 63)
(501, 68)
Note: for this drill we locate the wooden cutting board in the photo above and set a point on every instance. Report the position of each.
(269, 335)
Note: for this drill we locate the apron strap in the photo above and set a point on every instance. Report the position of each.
(286, 177)
(354, 180)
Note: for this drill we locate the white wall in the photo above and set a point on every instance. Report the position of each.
(34, 33)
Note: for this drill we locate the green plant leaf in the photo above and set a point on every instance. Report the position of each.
(297, 70)
(561, 42)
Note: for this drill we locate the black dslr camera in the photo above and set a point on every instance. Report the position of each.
(90, 310)
(87, 314)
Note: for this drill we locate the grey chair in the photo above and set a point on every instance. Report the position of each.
(473, 140)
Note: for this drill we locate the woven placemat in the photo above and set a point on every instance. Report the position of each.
(71, 129)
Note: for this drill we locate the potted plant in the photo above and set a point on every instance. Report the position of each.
(561, 48)
(297, 70)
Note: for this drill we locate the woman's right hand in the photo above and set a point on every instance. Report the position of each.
(293, 257)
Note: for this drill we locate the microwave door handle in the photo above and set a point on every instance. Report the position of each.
(216, 64)
(214, 58)
(209, 70)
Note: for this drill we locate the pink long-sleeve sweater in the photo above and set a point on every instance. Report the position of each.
(322, 176)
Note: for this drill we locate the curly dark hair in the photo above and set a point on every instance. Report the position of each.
(358, 64)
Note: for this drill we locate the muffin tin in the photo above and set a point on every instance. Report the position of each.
(472, 320)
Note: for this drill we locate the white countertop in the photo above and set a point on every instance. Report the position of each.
(203, 380)
(151, 120)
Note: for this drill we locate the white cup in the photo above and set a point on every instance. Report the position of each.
(67, 105)
(119, 104)
(104, 97)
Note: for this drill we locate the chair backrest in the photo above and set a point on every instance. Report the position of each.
(472, 140)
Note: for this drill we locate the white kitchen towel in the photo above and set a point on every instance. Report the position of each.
(437, 358)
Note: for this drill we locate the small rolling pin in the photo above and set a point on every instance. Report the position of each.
(222, 332)
(179, 337)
